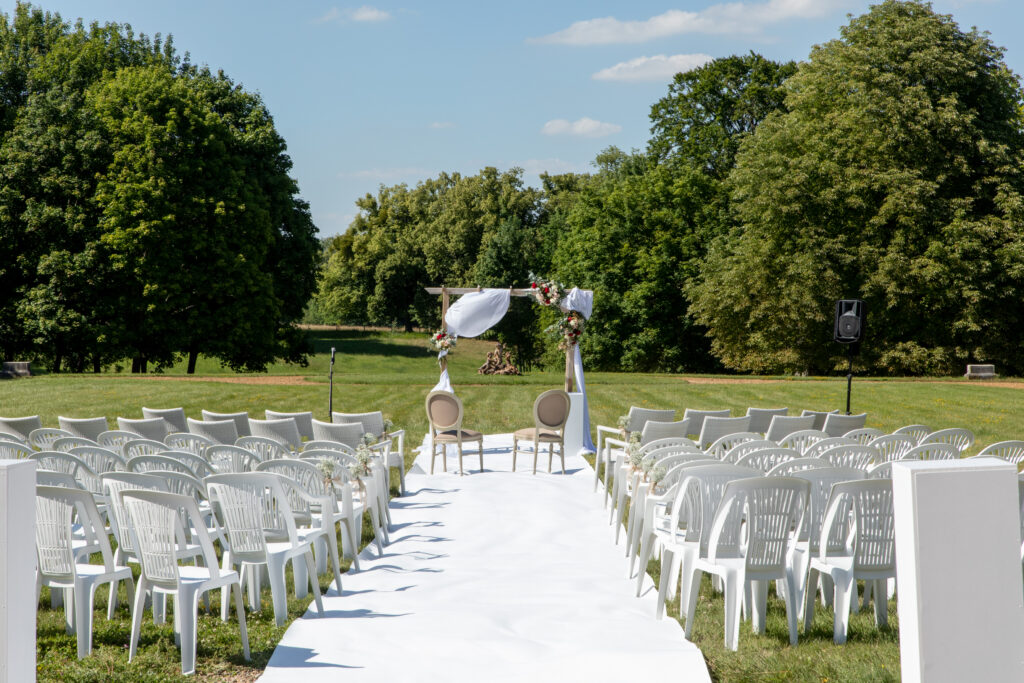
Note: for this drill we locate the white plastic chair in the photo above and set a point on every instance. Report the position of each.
(115, 439)
(225, 459)
(348, 433)
(782, 426)
(727, 442)
(241, 420)
(714, 428)
(961, 438)
(373, 423)
(216, 431)
(893, 446)
(767, 458)
(144, 464)
(21, 426)
(655, 430)
(802, 439)
(263, 448)
(57, 461)
(14, 438)
(1011, 451)
(915, 432)
(56, 563)
(744, 447)
(137, 447)
(761, 418)
(819, 418)
(328, 445)
(11, 450)
(303, 421)
(284, 431)
(157, 528)
(66, 443)
(932, 451)
(152, 428)
(857, 542)
(865, 435)
(789, 468)
(637, 418)
(261, 531)
(687, 532)
(185, 441)
(85, 427)
(818, 447)
(175, 417)
(839, 425)
(371, 499)
(767, 509)
(851, 455)
(42, 439)
(198, 466)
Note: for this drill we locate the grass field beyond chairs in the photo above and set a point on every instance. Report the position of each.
(393, 373)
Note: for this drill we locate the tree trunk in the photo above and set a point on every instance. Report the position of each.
(408, 325)
(135, 364)
(58, 358)
(193, 354)
(97, 367)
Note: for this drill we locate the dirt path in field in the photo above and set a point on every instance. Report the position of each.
(277, 380)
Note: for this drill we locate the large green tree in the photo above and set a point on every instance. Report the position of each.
(893, 176)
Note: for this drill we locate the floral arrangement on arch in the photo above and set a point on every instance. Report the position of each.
(547, 292)
(442, 341)
(567, 329)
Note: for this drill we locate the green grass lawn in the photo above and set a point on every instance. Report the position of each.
(393, 372)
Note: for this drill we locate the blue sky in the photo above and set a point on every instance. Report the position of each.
(376, 93)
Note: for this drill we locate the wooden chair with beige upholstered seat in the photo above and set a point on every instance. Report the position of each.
(550, 413)
(444, 413)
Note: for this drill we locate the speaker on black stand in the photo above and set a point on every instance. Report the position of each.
(851, 317)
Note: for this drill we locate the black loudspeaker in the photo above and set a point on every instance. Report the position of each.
(851, 317)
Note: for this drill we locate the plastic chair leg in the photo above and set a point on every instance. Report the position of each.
(240, 612)
(300, 577)
(314, 581)
(185, 608)
(668, 567)
(137, 607)
(881, 604)
(83, 617)
(275, 565)
(692, 591)
(845, 592)
(792, 606)
(758, 604)
(733, 590)
(810, 597)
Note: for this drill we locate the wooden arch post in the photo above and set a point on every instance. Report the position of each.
(446, 292)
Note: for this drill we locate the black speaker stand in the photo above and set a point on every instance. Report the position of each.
(849, 375)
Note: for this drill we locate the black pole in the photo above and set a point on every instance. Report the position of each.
(849, 375)
(330, 399)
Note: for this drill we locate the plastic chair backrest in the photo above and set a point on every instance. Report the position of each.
(85, 427)
(241, 420)
(716, 427)
(882, 470)
(10, 450)
(932, 451)
(893, 446)
(216, 431)
(21, 426)
(874, 547)
(739, 450)
(326, 444)
(115, 439)
(303, 421)
(100, 460)
(789, 468)
(697, 417)
(55, 507)
(150, 463)
(253, 505)
(699, 494)
(285, 431)
(373, 421)
(551, 410)
(727, 442)
(782, 426)
(864, 435)
(198, 465)
(818, 447)
(916, 432)
(765, 459)
(186, 441)
(838, 425)
(226, 459)
(819, 418)
(679, 444)
(66, 443)
(263, 448)
(348, 433)
(1011, 451)
(761, 418)
(42, 439)
(851, 455)
(961, 438)
(821, 481)
(773, 506)
(153, 428)
(175, 417)
(137, 447)
(802, 439)
(444, 411)
(655, 430)
(114, 483)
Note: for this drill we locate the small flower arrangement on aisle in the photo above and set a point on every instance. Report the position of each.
(623, 424)
(547, 292)
(442, 341)
(369, 439)
(635, 453)
(329, 473)
(362, 468)
(389, 426)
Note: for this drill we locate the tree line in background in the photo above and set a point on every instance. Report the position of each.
(886, 167)
(146, 210)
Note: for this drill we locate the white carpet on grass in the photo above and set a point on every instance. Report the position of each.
(494, 576)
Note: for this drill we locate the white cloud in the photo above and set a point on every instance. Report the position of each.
(367, 13)
(364, 14)
(585, 127)
(732, 17)
(656, 68)
(437, 125)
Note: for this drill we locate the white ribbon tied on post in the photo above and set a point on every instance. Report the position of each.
(471, 316)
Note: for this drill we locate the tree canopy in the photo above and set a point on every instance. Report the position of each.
(893, 175)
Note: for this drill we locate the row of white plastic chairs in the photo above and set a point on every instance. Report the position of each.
(288, 497)
(287, 429)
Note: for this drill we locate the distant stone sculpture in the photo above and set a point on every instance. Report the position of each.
(499, 362)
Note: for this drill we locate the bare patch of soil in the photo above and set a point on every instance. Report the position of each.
(278, 380)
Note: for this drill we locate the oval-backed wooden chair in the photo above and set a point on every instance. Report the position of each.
(444, 413)
(550, 413)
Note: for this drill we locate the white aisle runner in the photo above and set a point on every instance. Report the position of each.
(498, 576)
